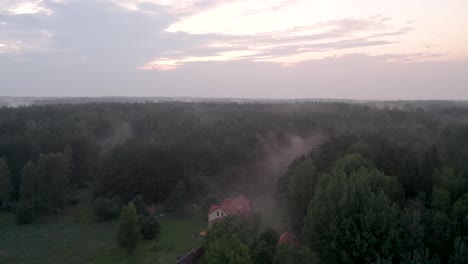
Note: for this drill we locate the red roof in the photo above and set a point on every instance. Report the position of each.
(289, 238)
(237, 206)
(151, 210)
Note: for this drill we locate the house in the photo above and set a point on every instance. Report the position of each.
(151, 210)
(237, 206)
(289, 238)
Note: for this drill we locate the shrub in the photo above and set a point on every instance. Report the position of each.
(25, 213)
(73, 199)
(105, 209)
(150, 229)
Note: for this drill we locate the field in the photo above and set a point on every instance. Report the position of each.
(74, 237)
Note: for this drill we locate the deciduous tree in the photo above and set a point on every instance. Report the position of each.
(128, 232)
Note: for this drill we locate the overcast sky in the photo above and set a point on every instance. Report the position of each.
(355, 49)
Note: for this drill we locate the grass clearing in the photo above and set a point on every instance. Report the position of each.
(73, 237)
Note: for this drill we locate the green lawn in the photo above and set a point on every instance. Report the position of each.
(73, 237)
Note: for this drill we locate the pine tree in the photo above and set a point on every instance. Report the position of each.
(6, 188)
(178, 199)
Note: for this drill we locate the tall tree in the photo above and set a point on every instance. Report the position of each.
(178, 199)
(140, 205)
(28, 188)
(351, 220)
(301, 186)
(6, 188)
(128, 232)
(53, 178)
(430, 163)
(295, 189)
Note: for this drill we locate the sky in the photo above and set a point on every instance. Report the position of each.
(350, 49)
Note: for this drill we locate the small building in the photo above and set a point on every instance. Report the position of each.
(237, 206)
(151, 210)
(289, 238)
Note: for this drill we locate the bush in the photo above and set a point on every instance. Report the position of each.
(150, 229)
(73, 199)
(269, 236)
(25, 213)
(105, 209)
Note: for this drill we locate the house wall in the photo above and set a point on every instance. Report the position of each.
(219, 213)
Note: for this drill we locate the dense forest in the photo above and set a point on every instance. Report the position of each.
(357, 183)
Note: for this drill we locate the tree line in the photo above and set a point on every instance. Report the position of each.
(175, 152)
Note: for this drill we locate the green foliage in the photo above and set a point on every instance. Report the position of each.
(128, 232)
(441, 234)
(289, 254)
(454, 184)
(74, 239)
(460, 253)
(429, 166)
(25, 213)
(150, 229)
(460, 214)
(149, 149)
(140, 205)
(29, 177)
(6, 188)
(244, 228)
(105, 209)
(296, 190)
(352, 163)
(226, 250)
(269, 236)
(351, 215)
(44, 185)
(263, 249)
(178, 200)
(262, 253)
(53, 172)
(440, 199)
(413, 231)
(420, 257)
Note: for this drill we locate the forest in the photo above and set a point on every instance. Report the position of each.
(356, 183)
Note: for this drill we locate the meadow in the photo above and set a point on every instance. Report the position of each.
(74, 237)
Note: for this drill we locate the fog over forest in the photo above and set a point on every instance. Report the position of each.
(392, 173)
(233, 132)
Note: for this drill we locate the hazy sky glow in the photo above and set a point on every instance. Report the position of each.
(236, 48)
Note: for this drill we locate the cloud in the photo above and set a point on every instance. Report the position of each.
(179, 7)
(14, 41)
(22, 7)
(279, 46)
(229, 48)
(167, 64)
